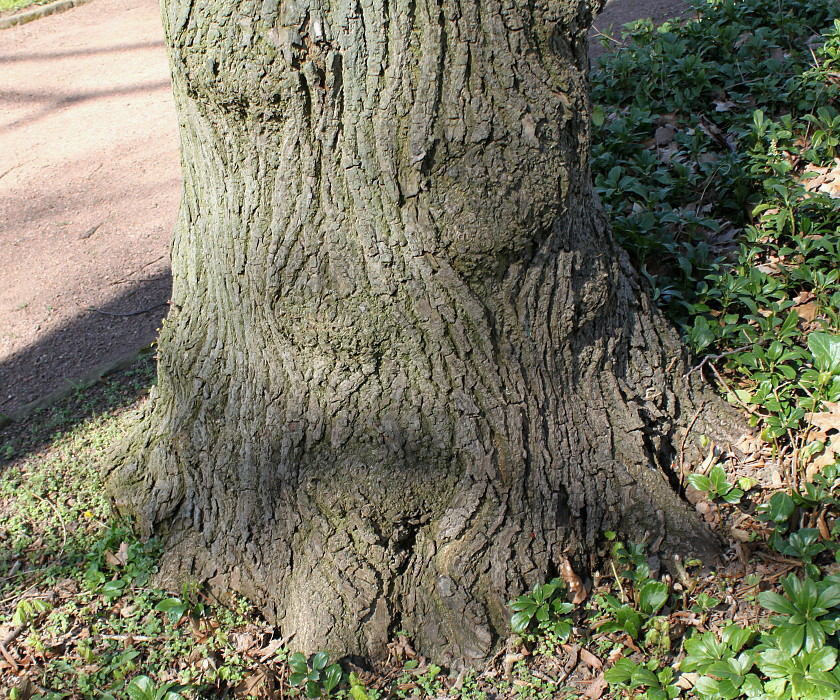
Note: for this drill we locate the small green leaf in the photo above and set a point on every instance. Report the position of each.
(297, 678)
(643, 676)
(736, 637)
(776, 603)
(706, 686)
(826, 350)
(320, 660)
(780, 507)
(520, 621)
(823, 659)
(791, 638)
(359, 692)
(332, 677)
(141, 688)
(718, 478)
(733, 495)
(357, 688)
(700, 482)
(621, 672)
(298, 664)
(652, 597)
(113, 589)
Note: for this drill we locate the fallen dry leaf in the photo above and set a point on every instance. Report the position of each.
(664, 135)
(743, 39)
(244, 642)
(508, 663)
(590, 659)
(828, 456)
(572, 580)
(816, 179)
(808, 311)
(270, 649)
(596, 688)
(250, 686)
(826, 420)
(825, 533)
(739, 534)
(686, 681)
(118, 558)
(749, 444)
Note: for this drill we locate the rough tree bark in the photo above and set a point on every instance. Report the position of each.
(407, 369)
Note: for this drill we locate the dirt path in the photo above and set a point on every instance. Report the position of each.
(89, 188)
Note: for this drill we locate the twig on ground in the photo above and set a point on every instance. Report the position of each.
(13, 635)
(127, 278)
(715, 358)
(93, 229)
(14, 167)
(127, 313)
(46, 500)
(9, 658)
(685, 439)
(725, 384)
(601, 34)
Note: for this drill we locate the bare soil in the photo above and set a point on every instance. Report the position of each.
(89, 187)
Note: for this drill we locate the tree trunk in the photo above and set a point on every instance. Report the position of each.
(407, 369)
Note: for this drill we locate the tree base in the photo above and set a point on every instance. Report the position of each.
(387, 519)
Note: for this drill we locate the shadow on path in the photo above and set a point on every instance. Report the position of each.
(57, 101)
(92, 338)
(45, 56)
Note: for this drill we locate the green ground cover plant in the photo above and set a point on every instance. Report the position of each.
(16, 5)
(720, 173)
(717, 172)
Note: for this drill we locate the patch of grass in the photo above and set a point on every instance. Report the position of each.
(9, 6)
(76, 593)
